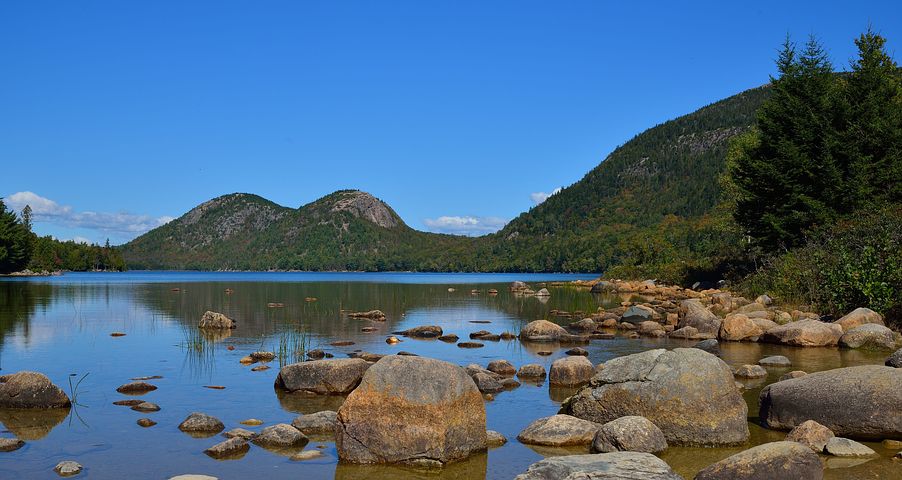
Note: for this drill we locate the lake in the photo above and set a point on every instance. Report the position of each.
(61, 326)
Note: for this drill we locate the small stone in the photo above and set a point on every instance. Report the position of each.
(470, 345)
(843, 447)
(558, 431)
(253, 422)
(509, 383)
(319, 423)
(775, 361)
(501, 367)
(571, 371)
(392, 340)
(214, 387)
(10, 444)
(201, 423)
(306, 455)
(146, 407)
(67, 468)
(246, 360)
(136, 388)
(531, 371)
(117, 334)
(792, 374)
(629, 434)
(494, 439)
(263, 356)
(146, 422)
(233, 447)
(128, 403)
(450, 338)
(578, 351)
(260, 368)
(751, 371)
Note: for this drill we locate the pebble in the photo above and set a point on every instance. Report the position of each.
(10, 444)
(260, 368)
(146, 422)
(146, 407)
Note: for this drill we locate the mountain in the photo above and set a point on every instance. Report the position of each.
(345, 230)
(654, 200)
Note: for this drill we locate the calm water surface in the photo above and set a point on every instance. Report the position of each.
(60, 326)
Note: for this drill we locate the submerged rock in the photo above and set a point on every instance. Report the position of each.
(688, 393)
(751, 371)
(136, 388)
(323, 377)
(629, 434)
(770, 461)
(411, 409)
(233, 447)
(843, 447)
(216, 321)
(559, 431)
(10, 444)
(280, 435)
(775, 361)
(601, 466)
(494, 439)
(67, 468)
(860, 402)
(30, 390)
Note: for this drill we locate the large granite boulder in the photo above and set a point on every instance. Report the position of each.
(559, 431)
(601, 466)
(805, 333)
(629, 434)
(571, 371)
(542, 330)
(30, 390)
(688, 393)
(216, 321)
(869, 335)
(638, 314)
(694, 314)
(859, 317)
(738, 327)
(863, 402)
(323, 377)
(770, 461)
(411, 410)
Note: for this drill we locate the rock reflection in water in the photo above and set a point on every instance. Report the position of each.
(473, 468)
(306, 404)
(31, 423)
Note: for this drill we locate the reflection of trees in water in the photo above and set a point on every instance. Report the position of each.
(18, 302)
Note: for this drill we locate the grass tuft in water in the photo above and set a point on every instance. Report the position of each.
(293, 345)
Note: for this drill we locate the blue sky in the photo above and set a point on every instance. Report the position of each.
(118, 116)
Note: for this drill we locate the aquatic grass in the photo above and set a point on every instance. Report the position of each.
(293, 344)
(200, 356)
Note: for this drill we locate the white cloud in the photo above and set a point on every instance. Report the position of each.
(539, 197)
(78, 239)
(465, 225)
(122, 224)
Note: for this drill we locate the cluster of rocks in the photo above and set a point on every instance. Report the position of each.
(522, 289)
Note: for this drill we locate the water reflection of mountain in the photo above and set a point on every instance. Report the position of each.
(247, 303)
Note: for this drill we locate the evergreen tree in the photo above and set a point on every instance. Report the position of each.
(15, 241)
(789, 182)
(872, 137)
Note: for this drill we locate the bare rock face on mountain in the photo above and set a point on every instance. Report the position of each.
(365, 206)
(411, 410)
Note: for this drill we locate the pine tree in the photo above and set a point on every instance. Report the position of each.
(789, 181)
(872, 137)
(15, 242)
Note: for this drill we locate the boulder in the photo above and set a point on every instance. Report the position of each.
(487, 383)
(424, 331)
(601, 466)
(584, 325)
(859, 317)
(775, 361)
(502, 367)
(805, 333)
(232, 447)
(811, 434)
(571, 371)
(869, 335)
(280, 435)
(638, 314)
(10, 444)
(764, 299)
(323, 377)
(542, 330)
(580, 351)
(319, 423)
(559, 431)
(30, 390)
(895, 360)
(751, 371)
(738, 327)
(201, 423)
(843, 447)
(494, 439)
(531, 371)
(629, 434)
(688, 393)
(792, 374)
(695, 315)
(710, 345)
(216, 321)
(650, 327)
(770, 461)
(863, 402)
(411, 410)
